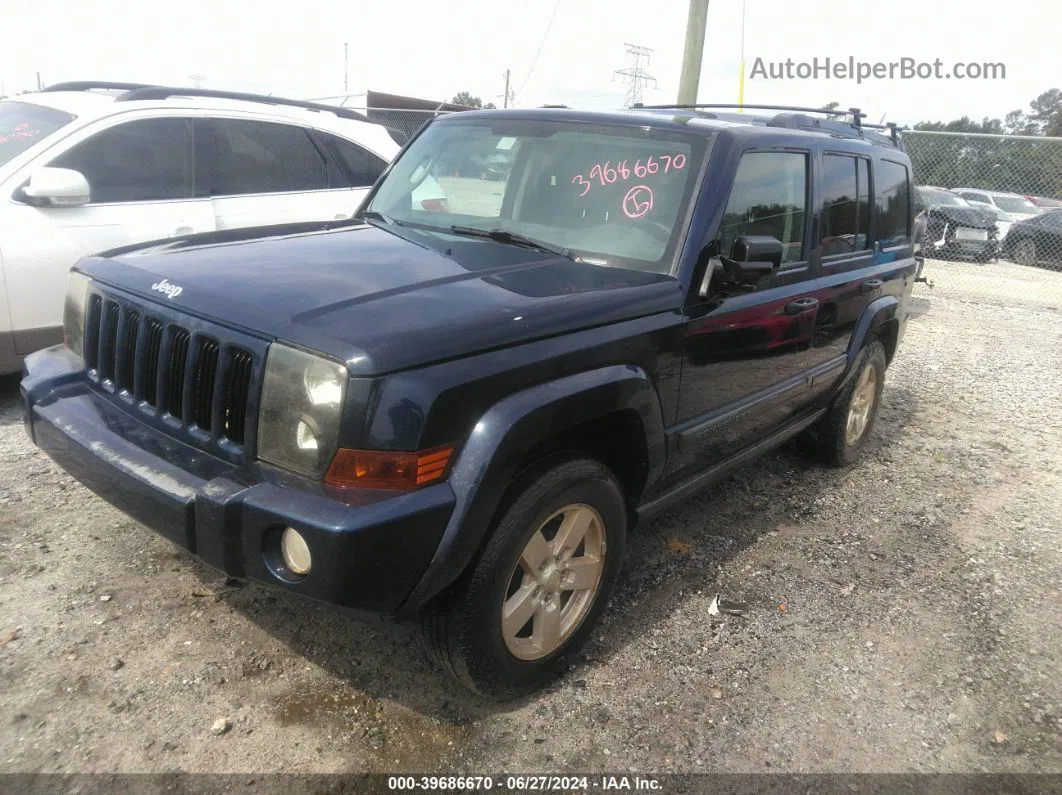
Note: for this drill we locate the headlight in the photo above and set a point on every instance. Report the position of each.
(302, 401)
(74, 313)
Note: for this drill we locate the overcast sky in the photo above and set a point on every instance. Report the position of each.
(435, 49)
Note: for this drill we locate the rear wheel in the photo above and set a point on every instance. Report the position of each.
(1025, 252)
(839, 436)
(536, 592)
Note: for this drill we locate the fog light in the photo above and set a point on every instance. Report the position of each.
(295, 551)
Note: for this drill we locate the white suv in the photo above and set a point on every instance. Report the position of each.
(86, 167)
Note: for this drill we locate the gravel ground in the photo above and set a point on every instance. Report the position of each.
(905, 615)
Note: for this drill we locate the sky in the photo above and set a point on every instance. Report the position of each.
(557, 51)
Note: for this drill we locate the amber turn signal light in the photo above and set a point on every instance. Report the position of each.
(385, 469)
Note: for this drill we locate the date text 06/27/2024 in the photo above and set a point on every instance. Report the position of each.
(541, 783)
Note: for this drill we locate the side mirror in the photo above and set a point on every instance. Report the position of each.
(57, 187)
(751, 258)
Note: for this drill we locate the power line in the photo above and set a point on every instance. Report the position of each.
(541, 44)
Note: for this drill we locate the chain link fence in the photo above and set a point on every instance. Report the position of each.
(992, 215)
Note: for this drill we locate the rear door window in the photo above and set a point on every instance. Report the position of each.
(846, 205)
(266, 157)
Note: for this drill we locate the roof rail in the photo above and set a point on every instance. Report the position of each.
(88, 85)
(890, 126)
(854, 112)
(163, 92)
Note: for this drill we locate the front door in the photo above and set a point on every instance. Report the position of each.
(745, 353)
(141, 176)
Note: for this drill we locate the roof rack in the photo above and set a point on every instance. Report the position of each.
(88, 85)
(164, 92)
(856, 114)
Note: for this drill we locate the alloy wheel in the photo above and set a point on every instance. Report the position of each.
(554, 583)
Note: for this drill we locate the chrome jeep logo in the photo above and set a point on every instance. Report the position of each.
(167, 289)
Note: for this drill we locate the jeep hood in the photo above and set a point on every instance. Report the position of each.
(378, 299)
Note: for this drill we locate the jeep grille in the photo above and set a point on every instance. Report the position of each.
(171, 371)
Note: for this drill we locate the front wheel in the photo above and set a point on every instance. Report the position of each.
(539, 587)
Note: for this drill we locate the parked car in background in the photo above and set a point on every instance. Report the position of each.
(1047, 204)
(1014, 204)
(1036, 240)
(956, 228)
(91, 166)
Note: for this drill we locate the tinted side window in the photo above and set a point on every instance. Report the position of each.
(146, 160)
(893, 197)
(264, 157)
(769, 197)
(362, 166)
(846, 207)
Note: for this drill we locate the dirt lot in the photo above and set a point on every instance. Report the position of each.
(906, 614)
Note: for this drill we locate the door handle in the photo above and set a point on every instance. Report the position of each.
(801, 305)
(870, 284)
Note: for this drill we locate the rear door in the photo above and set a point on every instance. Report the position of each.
(881, 266)
(267, 172)
(143, 184)
(745, 351)
(847, 260)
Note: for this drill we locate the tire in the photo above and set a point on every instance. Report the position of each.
(1025, 252)
(465, 632)
(828, 441)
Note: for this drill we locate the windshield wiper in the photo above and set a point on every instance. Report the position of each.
(373, 215)
(512, 239)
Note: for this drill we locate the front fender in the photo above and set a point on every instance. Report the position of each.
(503, 436)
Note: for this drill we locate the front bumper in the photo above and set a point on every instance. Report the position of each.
(369, 548)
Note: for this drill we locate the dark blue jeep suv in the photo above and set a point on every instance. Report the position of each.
(452, 408)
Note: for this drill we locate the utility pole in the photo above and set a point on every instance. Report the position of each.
(344, 68)
(505, 102)
(691, 57)
(197, 80)
(40, 85)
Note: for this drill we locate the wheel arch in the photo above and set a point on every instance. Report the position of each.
(881, 320)
(518, 430)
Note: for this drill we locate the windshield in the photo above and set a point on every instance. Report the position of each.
(1012, 204)
(23, 124)
(608, 194)
(943, 197)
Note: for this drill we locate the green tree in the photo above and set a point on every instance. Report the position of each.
(469, 101)
(996, 163)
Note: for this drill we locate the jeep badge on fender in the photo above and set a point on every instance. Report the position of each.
(453, 408)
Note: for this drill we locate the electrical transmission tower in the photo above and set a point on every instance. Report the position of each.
(635, 74)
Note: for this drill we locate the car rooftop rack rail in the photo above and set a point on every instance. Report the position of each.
(89, 85)
(165, 92)
(144, 91)
(856, 114)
